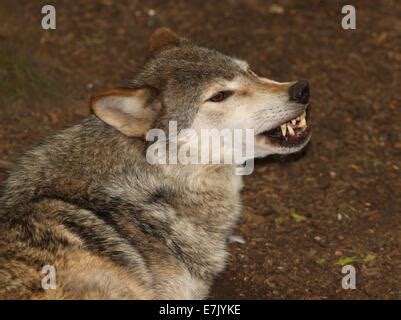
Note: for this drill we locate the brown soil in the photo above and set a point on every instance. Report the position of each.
(304, 215)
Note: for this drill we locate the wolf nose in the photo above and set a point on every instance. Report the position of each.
(299, 91)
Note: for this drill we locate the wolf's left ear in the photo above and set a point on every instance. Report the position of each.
(162, 39)
(131, 111)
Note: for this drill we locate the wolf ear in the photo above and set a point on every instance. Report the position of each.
(131, 111)
(161, 39)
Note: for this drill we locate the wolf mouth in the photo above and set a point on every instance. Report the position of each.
(290, 133)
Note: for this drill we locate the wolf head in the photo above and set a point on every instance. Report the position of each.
(200, 89)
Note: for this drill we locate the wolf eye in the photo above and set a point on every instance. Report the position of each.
(221, 96)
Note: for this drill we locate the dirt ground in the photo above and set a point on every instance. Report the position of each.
(305, 216)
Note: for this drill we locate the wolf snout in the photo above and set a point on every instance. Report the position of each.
(299, 92)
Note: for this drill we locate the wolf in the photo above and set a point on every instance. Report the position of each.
(110, 225)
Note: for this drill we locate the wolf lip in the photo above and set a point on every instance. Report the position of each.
(290, 132)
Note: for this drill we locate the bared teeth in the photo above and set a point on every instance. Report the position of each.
(298, 123)
(302, 123)
(290, 130)
(283, 128)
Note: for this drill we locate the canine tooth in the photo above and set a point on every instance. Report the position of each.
(302, 123)
(294, 122)
(290, 131)
(283, 129)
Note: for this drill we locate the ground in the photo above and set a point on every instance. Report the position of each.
(304, 216)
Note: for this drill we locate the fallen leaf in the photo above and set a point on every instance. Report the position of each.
(369, 258)
(346, 260)
(296, 216)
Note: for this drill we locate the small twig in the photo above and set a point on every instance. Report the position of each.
(6, 165)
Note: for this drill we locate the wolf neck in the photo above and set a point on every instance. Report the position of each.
(207, 208)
